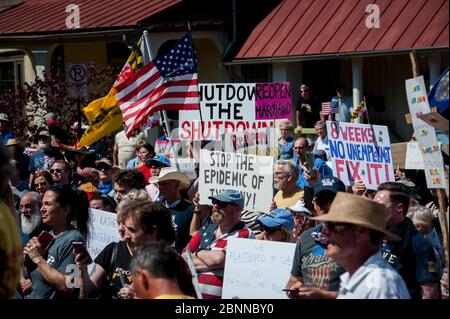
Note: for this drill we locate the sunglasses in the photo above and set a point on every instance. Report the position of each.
(103, 167)
(270, 230)
(338, 227)
(56, 171)
(220, 204)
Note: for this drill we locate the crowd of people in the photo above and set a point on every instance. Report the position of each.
(351, 242)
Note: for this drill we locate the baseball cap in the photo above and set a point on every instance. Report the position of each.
(103, 160)
(320, 153)
(4, 117)
(300, 209)
(279, 217)
(44, 133)
(158, 160)
(230, 196)
(413, 193)
(331, 184)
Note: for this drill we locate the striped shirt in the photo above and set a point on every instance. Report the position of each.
(211, 280)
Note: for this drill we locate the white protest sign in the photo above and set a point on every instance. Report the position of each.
(230, 107)
(360, 151)
(414, 159)
(186, 166)
(104, 231)
(425, 133)
(257, 269)
(263, 141)
(249, 174)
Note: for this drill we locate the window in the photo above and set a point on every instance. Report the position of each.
(11, 71)
(252, 73)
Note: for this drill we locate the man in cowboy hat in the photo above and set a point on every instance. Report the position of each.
(170, 181)
(355, 228)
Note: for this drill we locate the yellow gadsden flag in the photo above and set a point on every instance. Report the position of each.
(104, 114)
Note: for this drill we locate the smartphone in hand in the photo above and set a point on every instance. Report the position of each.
(45, 238)
(310, 163)
(79, 248)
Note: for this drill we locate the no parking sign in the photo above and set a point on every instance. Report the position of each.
(77, 77)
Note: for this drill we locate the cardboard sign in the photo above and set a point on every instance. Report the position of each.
(426, 135)
(398, 151)
(230, 107)
(257, 269)
(414, 158)
(251, 175)
(186, 166)
(104, 231)
(436, 120)
(360, 151)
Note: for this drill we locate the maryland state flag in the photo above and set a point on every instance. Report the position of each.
(104, 114)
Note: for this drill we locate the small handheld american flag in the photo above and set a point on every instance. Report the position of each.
(327, 109)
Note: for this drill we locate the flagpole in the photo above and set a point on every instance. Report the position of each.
(164, 113)
(200, 108)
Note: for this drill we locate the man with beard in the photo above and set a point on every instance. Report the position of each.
(31, 226)
(30, 216)
(210, 242)
(284, 179)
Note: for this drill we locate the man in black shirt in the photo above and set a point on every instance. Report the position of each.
(308, 109)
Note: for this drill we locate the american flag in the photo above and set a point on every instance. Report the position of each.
(326, 108)
(169, 82)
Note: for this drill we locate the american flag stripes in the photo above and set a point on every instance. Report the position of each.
(327, 109)
(169, 82)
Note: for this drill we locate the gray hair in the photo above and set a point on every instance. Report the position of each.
(35, 197)
(291, 166)
(288, 124)
(421, 215)
(137, 194)
(321, 123)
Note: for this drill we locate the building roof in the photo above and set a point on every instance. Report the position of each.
(47, 16)
(308, 28)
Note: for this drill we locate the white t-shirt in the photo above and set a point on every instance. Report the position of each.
(126, 147)
(375, 279)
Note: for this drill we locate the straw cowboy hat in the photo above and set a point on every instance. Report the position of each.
(171, 174)
(356, 210)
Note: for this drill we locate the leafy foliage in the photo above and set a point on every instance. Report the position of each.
(26, 106)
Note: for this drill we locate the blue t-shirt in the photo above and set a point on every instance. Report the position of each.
(6, 136)
(287, 149)
(59, 255)
(41, 160)
(320, 164)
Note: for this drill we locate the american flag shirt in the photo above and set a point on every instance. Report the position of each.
(211, 280)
